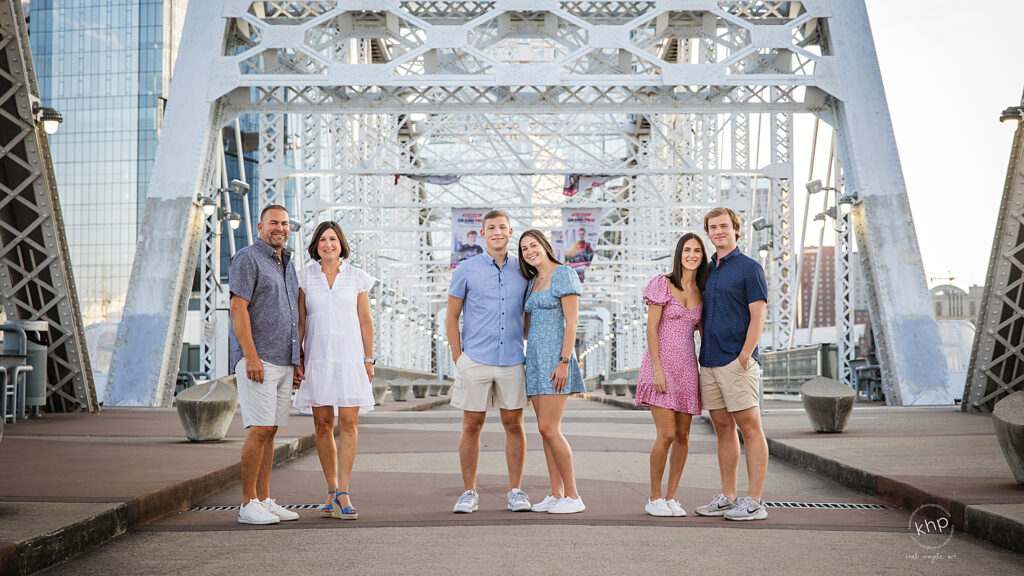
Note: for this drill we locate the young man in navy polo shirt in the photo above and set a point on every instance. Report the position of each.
(735, 298)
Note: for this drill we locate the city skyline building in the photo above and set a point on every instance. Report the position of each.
(106, 66)
(825, 303)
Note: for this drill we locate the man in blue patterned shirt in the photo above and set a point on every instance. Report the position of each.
(263, 353)
(735, 298)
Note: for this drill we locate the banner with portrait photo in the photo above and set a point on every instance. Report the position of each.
(580, 230)
(556, 245)
(466, 241)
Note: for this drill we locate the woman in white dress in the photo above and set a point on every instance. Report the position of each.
(336, 332)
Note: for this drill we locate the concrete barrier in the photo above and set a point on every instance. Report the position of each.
(828, 403)
(420, 388)
(206, 409)
(1008, 419)
(380, 389)
(400, 389)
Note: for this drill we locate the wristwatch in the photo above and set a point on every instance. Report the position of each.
(563, 359)
(369, 359)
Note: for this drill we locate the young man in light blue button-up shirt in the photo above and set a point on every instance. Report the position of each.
(489, 290)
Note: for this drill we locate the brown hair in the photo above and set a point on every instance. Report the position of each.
(676, 277)
(495, 214)
(315, 239)
(720, 211)
(528, 270)
(270, 207)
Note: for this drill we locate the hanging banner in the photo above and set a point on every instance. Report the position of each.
(466, 241)
(580, 229)
(557, 246)
(575, 183)
(442, 179)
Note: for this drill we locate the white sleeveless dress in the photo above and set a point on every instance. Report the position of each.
(333, 345)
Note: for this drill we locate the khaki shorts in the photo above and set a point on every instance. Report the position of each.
(730, 386)
(265, 403)
(479, 386)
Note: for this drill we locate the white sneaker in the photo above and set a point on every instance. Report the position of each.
(675, 507)
(567, 506)
(518, 501)
(718, 506)
(658, 508)
(468, 502)
(280, 511)
(255, 513)
(747, 509)
(545, 504)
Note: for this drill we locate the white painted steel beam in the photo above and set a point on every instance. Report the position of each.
(903, 320)
(144, 367)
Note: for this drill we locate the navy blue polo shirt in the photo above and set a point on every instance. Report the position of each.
(734, 282)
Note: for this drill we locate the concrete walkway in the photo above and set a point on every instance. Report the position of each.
(72, 481)
(908, 456)
(76, 481)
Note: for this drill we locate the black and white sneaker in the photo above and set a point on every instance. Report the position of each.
(747, 509)
(718, 506)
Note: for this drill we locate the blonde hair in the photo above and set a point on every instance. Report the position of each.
(721, 211)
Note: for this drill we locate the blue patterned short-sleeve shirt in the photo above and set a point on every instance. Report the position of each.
(734, 282)
(492, 322)
(271, 287)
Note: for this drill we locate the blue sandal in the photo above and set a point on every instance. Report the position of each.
(346, 513)
(327, 510)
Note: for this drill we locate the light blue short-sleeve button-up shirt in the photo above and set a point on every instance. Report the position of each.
(492, 310)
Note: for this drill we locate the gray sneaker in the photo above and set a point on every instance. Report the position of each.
(718, 506)
(468, 502)
(518, 501)
(747, 509)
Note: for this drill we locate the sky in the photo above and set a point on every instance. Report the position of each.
(949, 69)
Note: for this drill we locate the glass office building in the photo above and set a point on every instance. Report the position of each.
(106, 66)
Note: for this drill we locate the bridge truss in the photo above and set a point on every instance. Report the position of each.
(688, 104)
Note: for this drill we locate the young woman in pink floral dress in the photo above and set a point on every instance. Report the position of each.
(668, 375)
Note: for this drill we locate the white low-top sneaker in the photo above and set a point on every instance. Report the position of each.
(718, 506)
(518, 501)
(658, 508)
(255, 513)
(675, 507)
(545, 504)
(280, 511)
(567, 506)
(747, 509)
(468, 502)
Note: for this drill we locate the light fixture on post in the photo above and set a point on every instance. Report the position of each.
(238, 188)
(234, 220)
(846, 202)
(50, 118)
(760, 224)
(209, 206)
(815, 186)
(764, 250)
(1012, 113)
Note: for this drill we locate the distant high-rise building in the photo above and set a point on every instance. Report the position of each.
(106, 66)
(825, 301)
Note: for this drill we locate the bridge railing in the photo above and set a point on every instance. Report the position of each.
(784, 371)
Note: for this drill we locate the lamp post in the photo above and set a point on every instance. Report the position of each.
(844, 320)
(767, 253)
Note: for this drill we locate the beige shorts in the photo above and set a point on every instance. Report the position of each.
(730, 386)
(479, 386)
(265, 403)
